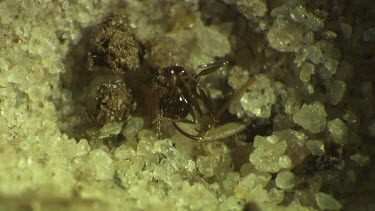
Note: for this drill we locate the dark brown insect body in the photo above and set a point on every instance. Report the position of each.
(174, 96)
(177, 94)
(179, 97)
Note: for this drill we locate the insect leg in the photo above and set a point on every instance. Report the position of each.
(210, 68)
(223, 131)
(235, 96)
(194, 137)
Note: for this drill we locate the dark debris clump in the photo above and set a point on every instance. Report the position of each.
(114, 103)
(164, 52)
(113, 45)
